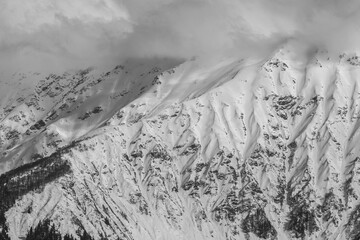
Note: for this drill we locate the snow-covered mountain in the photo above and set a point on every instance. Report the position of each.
(163, 149)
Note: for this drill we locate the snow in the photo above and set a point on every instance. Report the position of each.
(243, 130)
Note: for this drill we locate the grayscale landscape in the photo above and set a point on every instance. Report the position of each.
(179, 120)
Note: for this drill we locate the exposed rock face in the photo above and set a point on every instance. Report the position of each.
(158, 150)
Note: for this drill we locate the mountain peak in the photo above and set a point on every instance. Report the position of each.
(196, 150)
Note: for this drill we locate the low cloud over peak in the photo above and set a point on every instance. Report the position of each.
(43, 35)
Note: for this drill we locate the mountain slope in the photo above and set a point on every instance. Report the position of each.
(239, 149)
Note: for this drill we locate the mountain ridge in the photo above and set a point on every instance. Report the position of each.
(238, 149)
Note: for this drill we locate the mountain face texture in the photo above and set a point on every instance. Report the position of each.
(159, 149)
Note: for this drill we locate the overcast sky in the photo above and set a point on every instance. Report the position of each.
(46, 35)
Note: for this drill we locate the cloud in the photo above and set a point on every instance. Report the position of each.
(59, 34)
(44, 35)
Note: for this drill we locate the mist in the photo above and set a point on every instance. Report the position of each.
(45, 36)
